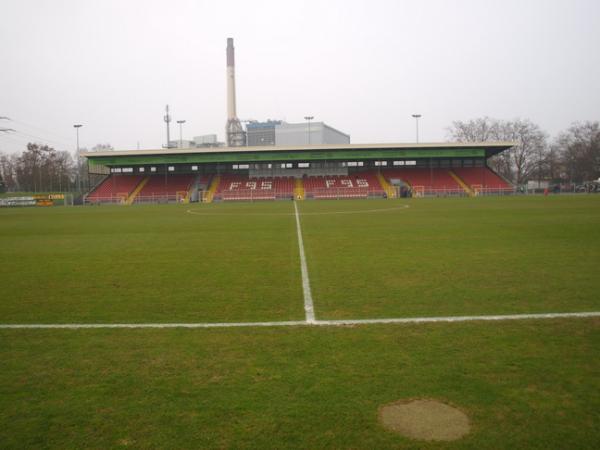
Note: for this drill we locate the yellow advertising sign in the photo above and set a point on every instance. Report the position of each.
(49, 196)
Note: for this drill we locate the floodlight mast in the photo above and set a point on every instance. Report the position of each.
(77, 127)
(167, 119)
(417, 117)
(308, 119)
(181, 122)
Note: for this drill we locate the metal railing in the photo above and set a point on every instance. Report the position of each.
(119, 199)
(254, 194)
(342, 193)
(428, 191)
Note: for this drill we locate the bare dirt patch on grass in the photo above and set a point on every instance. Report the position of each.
(425, 419)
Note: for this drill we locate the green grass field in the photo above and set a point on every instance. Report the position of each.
(524, 384)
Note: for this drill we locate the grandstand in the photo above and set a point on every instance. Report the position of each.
(300, 172)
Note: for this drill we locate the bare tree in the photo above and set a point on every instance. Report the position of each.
(530, 151)
(518, 163)
(8, 165)
(553, 164)
(42, 168)
(579, 147)
(483, 129)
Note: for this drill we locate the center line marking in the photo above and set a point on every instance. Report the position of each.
(309, 309)
(299, 323)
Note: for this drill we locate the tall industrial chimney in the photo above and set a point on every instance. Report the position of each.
(234, 131)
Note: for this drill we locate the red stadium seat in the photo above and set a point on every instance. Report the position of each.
(482, 177)
(115, 188)
(355, 185)
(165, 187)
(241, 187)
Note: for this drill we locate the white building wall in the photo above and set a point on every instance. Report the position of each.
(298, 134)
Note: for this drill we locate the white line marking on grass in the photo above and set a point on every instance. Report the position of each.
(308, 300)
(460, 318)
(158, 325)
(296, 323)
(326, 213)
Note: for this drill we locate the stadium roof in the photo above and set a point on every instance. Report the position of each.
(495, 147)
(298, 153)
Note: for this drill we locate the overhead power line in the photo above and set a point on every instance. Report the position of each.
(44, 131)
(42, 139)
(63, 141)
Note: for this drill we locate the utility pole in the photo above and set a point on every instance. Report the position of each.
(180, 122)
(167, 120)
(309, 118)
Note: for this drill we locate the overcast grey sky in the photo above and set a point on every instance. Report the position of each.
(361, 66)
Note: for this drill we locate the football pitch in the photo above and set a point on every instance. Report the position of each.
(313, 275)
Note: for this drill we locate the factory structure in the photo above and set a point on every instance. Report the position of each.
(257, 133)
(272, 132)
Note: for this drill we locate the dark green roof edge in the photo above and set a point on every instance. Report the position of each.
(260, 154)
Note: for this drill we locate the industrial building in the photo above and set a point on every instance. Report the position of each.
(261, 133)
(309, 133)
(277, 132)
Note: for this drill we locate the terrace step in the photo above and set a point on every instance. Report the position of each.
(208, 198)
(387, 187)
(462, 183)
(298, 189)
(136, 191)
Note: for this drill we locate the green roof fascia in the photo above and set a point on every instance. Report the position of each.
(312, 155)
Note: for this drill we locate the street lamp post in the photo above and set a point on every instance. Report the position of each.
(417, 117)
(180, 122)
(77, 127)
(308, 118)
